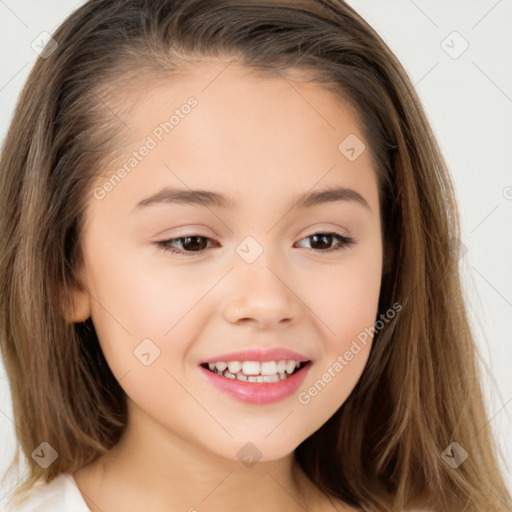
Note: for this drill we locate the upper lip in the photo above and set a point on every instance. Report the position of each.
(272, 354)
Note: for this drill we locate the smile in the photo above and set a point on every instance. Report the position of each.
(255, 381)
(255, 371)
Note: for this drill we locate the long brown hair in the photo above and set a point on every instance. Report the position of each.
(421, 388)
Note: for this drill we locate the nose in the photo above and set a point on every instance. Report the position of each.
(261, 294)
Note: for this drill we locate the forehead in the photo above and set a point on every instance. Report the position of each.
(237, 101)
(244, 135)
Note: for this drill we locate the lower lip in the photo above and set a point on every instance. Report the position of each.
(258, 392)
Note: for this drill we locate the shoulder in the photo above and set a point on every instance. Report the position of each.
(59, 495)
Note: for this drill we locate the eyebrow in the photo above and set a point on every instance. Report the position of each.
(215, 199)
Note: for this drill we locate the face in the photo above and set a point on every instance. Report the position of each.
(257, 279)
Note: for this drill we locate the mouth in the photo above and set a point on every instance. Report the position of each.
(257, 382)
(256, 371)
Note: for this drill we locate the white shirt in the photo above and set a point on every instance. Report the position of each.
(60, 495)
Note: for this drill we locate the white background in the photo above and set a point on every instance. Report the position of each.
(468, 100)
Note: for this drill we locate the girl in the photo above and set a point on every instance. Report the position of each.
(229, 280)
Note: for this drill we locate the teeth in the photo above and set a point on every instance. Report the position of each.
(290, 366)
(251, 367)
(234, 366)
(254, 371)
(269, 368)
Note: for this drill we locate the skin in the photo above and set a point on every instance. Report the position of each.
(261, 142)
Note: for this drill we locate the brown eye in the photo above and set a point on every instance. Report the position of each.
(194, 243)
(191, 245)
(323, 241)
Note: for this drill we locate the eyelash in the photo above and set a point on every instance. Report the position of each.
(345, 242)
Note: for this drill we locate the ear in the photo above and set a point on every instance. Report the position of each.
(75, 303)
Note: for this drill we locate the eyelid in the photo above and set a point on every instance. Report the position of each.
(186, 230)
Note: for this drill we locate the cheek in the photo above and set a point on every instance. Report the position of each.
(346, 301)
(146, 318)
(346, 298)
(141, 297)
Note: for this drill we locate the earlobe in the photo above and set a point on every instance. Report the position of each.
(81, 309)
(76, 305)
